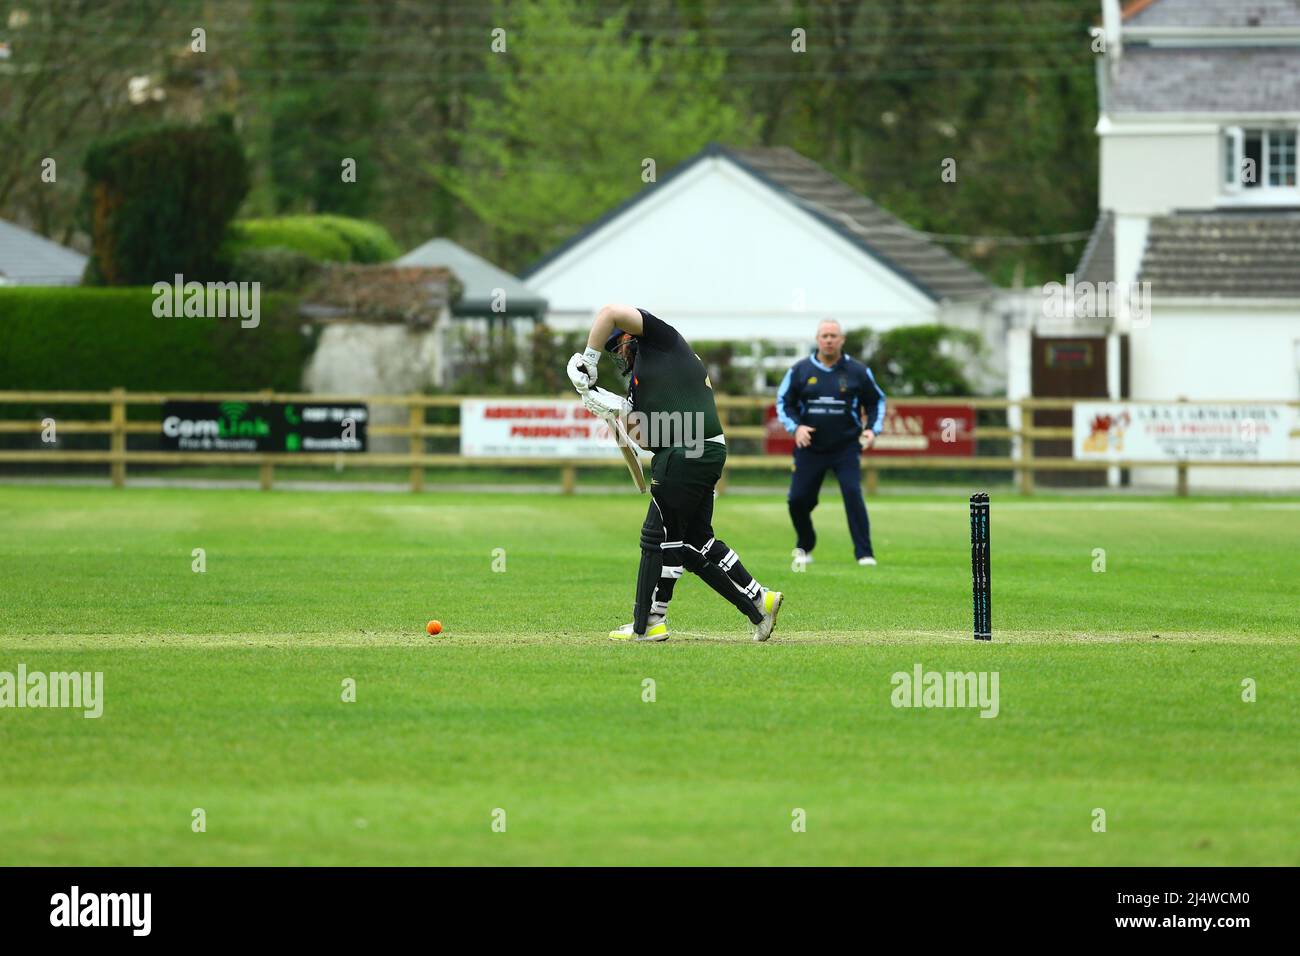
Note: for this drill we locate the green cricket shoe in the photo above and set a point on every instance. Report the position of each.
(656, 630)
(771, 605)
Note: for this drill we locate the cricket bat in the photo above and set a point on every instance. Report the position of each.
(609, 414)
(626, 446)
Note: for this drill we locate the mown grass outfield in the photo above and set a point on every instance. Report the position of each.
(223, 688)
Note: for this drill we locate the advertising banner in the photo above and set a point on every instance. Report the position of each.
(1182, 431)
(505, 428)
(264, 427)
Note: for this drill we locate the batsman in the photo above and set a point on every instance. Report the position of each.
(670, 411)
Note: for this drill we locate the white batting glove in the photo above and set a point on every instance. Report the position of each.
(578, 373)
(605, 404)
(582, 369)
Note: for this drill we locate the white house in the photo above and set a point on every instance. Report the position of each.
(749, 244)
(1199, 120)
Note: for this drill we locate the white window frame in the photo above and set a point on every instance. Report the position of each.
(1232, 175)
(1262, 192)
(1295, 156)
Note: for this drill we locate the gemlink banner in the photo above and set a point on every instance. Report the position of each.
(533, 429)
(263, 427)
(1181, 431)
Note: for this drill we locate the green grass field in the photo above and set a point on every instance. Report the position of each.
(1119, 690)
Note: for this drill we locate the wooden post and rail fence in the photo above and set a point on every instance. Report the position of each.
(1024, 464)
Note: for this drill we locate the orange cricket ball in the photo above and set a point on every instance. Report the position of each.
(434, 627)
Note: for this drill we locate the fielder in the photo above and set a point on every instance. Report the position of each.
(670, 398)
(834, 408)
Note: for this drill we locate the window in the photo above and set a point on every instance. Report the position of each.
(1281, 159)
(1259, 159)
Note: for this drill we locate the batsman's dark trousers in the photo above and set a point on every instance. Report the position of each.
(682, 483)
(810, 469)
(682, 486)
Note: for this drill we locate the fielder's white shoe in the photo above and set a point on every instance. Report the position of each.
(801, 556)
(867, 562)
(656, 629)
(771, 605)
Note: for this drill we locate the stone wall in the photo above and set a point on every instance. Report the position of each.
(370, 358)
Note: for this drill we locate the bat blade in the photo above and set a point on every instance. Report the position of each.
(630, 456)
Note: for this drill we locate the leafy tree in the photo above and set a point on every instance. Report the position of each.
(577, 109)
(319, 115)
(512, 152)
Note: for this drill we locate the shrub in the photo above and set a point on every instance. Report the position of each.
(277, 268)
(158, 200)
(928, 360)
(326, 238)
(369, 241)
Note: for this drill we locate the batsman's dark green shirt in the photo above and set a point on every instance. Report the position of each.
(668, 377)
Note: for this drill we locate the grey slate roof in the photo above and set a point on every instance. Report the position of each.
(925, 263)
(1244, 255)
(479, 277)
(1228, 13)
(1097, 264)
(928, 266)
(1206, 79)
(29, 259)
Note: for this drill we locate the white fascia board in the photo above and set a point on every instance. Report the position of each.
(1156, 124)
(1183, 124)
(1215, 302)
(1215, 36)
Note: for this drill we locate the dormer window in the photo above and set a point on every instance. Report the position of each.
(1259, 159)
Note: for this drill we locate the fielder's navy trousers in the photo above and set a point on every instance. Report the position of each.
(810, 469)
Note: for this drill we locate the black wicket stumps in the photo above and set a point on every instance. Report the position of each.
(979, 566)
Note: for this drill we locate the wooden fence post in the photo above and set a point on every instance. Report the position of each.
(1026, 451)
(117, 438)
(416, 423)
(266, 470)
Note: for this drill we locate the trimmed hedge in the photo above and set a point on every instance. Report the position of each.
(276, 268)
(369, 241)
(85, 339)
(330, 238)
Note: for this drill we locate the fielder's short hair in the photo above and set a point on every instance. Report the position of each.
(834, 322)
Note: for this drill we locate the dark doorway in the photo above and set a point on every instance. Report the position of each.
(1069, 368)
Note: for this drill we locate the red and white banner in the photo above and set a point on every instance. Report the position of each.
(1182, 431)
(908, 430)
(502, 428)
